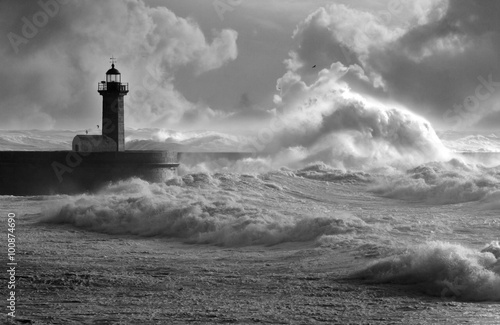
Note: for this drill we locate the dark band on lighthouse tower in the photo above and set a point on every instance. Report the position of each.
(113, 115)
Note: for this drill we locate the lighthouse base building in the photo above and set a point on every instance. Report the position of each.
(93, 162)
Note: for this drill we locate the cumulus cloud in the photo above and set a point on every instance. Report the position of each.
(438, 58)
(338, 34)
(55, 53)
(332, 105)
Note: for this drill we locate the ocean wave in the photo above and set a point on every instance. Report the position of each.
(189, 141)
(464, 142)
(35, 140)
(442, 269)
(207, 210)
(224, 163)
(323, 172)
(449, 182)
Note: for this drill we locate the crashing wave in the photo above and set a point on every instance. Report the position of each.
(208, 209)
(454, 181)
(442, 269)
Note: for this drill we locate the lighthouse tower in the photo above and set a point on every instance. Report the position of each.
(113, 124)
(113, 91)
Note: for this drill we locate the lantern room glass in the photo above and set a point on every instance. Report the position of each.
(114, 78)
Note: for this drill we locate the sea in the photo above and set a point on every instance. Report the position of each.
(431, 223)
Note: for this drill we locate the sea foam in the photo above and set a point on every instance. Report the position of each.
(442, 269)
(449, 182)
(207, 209)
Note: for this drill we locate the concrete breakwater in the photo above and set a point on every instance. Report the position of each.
(69, 172)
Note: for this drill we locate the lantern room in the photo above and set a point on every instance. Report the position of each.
(113, 75)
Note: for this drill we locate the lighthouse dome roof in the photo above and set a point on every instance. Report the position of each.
(113, 70)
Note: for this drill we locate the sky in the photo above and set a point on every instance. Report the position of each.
(234, 65)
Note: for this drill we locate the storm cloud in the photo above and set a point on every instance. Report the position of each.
(437, 58)
(54, 52)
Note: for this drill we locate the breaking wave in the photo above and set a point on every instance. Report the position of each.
(344, 132)
(206, 209)
(443, 269)
(223, 163)
(35, 140)
(323, 172)
(189, 141)
(463, 142)
(454, 181)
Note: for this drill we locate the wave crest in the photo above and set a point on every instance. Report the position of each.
(441, 183)
(443, 269)
(209, 210)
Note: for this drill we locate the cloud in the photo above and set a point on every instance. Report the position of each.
(330, 122)
(50, 73)
(438, 58)
(436, 66)
(333, 108)
(337, 34)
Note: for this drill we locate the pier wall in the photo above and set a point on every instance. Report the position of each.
(69, 172)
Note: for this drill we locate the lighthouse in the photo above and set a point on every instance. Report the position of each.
(113, 92)
(96, 159)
